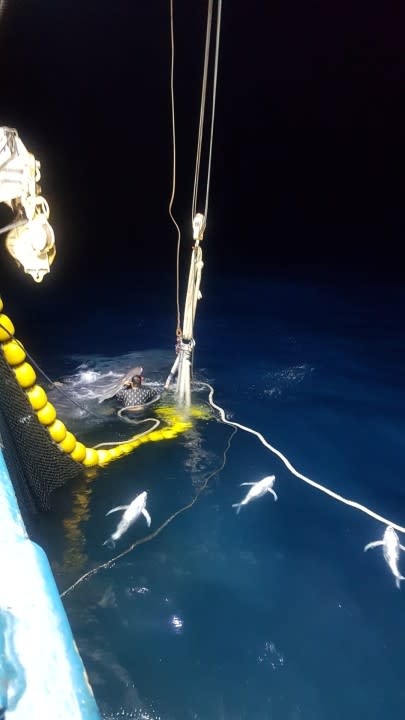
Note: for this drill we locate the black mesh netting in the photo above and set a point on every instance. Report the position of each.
(35, 463)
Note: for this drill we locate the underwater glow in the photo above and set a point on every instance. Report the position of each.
(176, 622)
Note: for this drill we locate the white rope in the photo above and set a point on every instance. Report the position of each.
(335, 496)
(155, 421)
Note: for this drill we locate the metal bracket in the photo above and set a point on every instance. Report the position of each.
(199, 225)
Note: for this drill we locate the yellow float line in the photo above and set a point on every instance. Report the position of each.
(25, 376)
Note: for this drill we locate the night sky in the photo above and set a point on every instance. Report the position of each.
(308, 164)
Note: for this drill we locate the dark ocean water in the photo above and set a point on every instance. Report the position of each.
(275, 613)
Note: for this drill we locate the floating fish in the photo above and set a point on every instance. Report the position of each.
(391, 549)
(131, 514)
(257, 490)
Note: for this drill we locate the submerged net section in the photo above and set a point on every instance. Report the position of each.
(36, 465)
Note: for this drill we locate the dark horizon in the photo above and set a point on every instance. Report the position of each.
(308, 148)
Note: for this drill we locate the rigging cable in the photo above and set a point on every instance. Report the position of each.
(214, 93)
(178, 330)
(202, 111)
(185, 332)
(200, 129)
(202, 108)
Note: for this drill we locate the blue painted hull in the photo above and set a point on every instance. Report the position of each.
(41, 672)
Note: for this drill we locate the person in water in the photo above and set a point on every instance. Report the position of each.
(133, 394)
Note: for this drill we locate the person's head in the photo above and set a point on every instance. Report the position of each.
(136, 380)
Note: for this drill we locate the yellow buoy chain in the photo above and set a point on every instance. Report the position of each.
(15, 357)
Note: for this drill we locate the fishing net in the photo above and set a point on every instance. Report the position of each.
(35, 464)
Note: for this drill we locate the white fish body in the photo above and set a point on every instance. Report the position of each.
(391, 550)
(257, 490)
(131, 514)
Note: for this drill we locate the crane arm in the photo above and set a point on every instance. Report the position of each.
(31, 241)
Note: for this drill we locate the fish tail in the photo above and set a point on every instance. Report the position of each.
(398, 581)
(238, 507)
(110, 543)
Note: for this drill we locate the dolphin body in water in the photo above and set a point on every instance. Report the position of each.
(131, 514)
(391, 549)
(257, 490)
